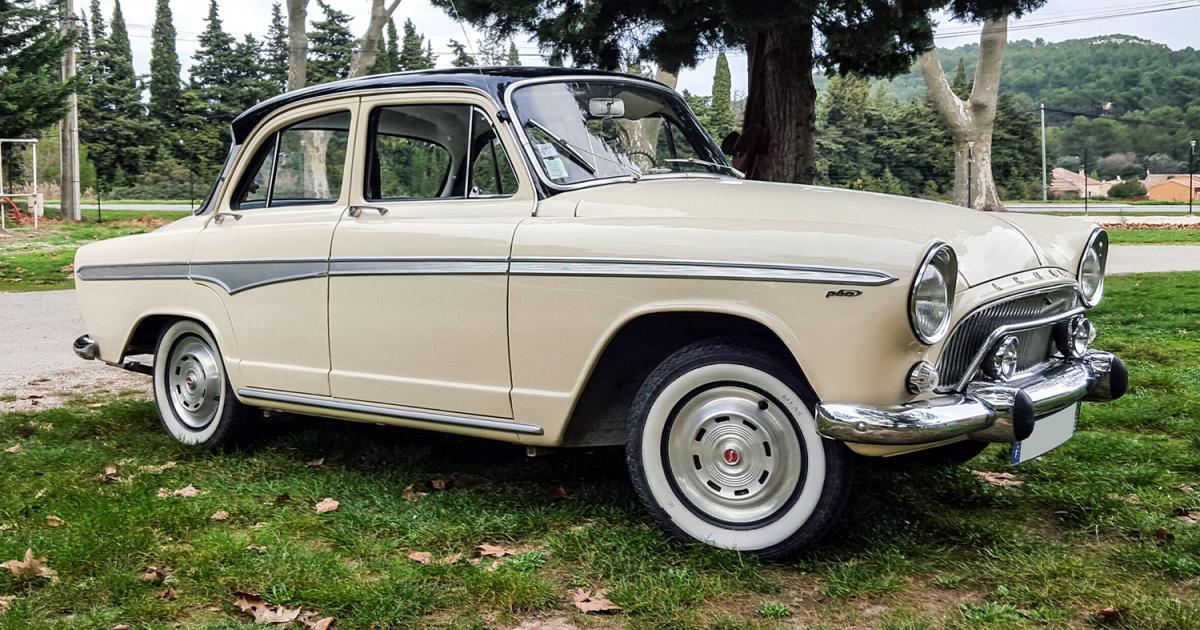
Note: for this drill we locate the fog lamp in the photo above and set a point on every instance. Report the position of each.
(1074, 336)
(922, 378)
(1001, 363)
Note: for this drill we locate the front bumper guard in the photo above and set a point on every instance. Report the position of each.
(986, 411)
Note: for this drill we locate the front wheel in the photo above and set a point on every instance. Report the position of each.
(195, 401)
(723, 449)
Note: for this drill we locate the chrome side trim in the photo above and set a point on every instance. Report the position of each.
(238, 276)
(615, 267)
(401, 413)
(136, 271)
(417, 266)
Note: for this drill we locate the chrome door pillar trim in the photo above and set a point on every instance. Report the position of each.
(400, 413)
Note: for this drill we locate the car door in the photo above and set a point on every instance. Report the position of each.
(266, 249)
(418, 285)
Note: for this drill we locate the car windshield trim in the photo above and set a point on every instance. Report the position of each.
(519, 130)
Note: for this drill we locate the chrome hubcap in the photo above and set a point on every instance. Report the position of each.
(194, 382)
(734, 454)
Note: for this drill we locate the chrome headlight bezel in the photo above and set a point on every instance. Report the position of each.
(940, 267)
(1093, 262)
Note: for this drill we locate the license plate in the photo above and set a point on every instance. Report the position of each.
(1048, 434)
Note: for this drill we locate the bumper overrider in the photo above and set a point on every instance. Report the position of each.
(986, 410)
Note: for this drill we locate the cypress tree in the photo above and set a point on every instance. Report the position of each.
(720, 113)
(212, 89)
(275, 52)
(393, 46)
(412, 50)
(30, 51)
(331, 46)
(114, 122)
(246, 76)
(165, 89)
(514, 56)
(462, 59)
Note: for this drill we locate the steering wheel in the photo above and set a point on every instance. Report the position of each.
(642, 160)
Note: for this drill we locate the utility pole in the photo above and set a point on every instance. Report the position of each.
(1085, 182)
(68, 132)
(970, 173)
(1191, 170)
(1045, 184)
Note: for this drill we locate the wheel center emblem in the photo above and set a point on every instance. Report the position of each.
(732, 456)
(190, 382)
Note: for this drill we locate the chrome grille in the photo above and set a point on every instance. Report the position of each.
(973, 331)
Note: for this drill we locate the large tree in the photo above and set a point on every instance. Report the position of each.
(413, 53)
(113, 119)
(30, 50)
(785, 41)
(462, 58)
(371, 44)
(971, 119)
(165, 89)
(214, 91)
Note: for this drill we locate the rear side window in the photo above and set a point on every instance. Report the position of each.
(435, 152)
(299, 165)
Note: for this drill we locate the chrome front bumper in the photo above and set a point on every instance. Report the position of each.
(986, 411)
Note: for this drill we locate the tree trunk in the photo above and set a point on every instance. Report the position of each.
(971, 121)
(369, 45)
(297, 74)
(777, 143)
(642, 135)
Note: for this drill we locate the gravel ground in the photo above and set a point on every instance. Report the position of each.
(38, 369)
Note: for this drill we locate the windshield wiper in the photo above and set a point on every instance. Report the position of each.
(699, 162)
(564, 145)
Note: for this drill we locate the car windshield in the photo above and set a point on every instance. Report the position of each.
(582, 131)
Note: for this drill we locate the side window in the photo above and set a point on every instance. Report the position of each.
(299, 165)
(416, 152)
(492, 173)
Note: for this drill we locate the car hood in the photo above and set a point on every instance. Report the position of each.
(988, 247)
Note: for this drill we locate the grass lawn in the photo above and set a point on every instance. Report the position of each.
(1184, 236)
(1097, 534)
(40, 260)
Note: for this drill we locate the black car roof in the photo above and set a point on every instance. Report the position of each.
(492, 80)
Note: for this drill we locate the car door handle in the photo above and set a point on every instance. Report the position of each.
(221, 216)
(356, 211)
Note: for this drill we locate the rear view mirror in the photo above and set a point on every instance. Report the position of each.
(606, 107)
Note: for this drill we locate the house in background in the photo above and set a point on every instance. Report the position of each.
(1171, 187)
(1065, 183)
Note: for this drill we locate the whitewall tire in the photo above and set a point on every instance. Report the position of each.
(723, 449)
(195, 401)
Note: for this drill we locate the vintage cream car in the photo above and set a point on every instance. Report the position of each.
(564, 258)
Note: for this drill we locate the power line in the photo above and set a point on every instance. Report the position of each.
(1129, 121)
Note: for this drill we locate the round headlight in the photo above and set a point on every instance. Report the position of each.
(1001, 365)
(932, 296)
(1091, 268)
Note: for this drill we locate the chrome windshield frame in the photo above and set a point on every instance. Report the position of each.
(531, 157)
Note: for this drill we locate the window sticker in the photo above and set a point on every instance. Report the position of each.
(555, 168)
(546, 150)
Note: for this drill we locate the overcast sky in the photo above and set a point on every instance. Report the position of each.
(1056, 21)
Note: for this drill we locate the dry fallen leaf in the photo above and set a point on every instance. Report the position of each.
(121, 626)
(54, 521)
(410, 494)
(453, 558)
(1109, 613)
(154, 470)
(30, 567)
(167, 594)
(327, 505)
(163, 493)
(592, 602)
(495, 551)
(155, 575)
(6, 602)
(437, 483)
(1162, 536)
(17, 448)
(220, 515)
(1189, 517)
(258, 548)
(421, 557)
(325, 623)
(559, 493)
(1186, 488)
(95, 405)
(999, 479)
(264, 612)
(187, 491)
(315, 463)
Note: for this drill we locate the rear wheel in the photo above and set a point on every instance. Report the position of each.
(196, 404)
(723, 449)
